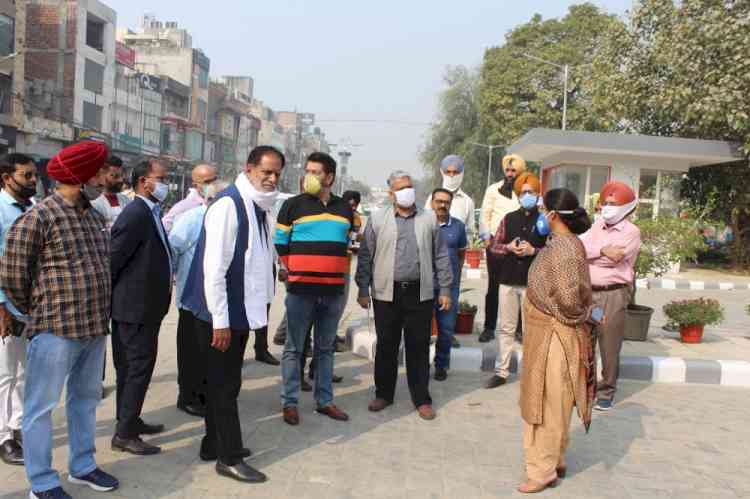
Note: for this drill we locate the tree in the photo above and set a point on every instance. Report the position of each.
(455, 126)
(518, 94)
(353, 184)
(682, 70)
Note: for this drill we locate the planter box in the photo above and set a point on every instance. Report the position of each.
(465, 323)
(637, 322)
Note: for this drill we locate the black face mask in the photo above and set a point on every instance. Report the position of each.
(22, 191)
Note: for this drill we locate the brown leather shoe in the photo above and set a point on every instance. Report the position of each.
(291, 415)
(377, 405)
(426, 412)
(333, 412)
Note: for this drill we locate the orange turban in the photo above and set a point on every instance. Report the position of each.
(78, 163)
(622, 192)
(527, 178)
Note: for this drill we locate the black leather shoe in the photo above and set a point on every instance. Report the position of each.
(193, 409)
(11, 452)
(134, 446)
(241, 472)
(495, 381)
(150, 429)
(334, 378)
(486, 336)
(440, 374)
(212, 456)
(267, 358)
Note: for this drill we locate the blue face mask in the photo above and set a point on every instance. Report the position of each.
(542, 225)
(528, 201)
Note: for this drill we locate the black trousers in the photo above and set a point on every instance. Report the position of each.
(191, 369)
(134, 348)
(492, 298)
(406, 313)
(223, 384)
(261, 336)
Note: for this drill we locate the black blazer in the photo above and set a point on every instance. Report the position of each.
(141, 277)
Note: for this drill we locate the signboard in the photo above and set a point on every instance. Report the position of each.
(8, 136)
(149, 82)
(124, 55)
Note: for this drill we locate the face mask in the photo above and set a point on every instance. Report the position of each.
(542, 225)
(23, 191)
(311, 184)
(453, 183)
(528, 201)
(406, 198)
(91, 191)
(160, 191)
(613, 215)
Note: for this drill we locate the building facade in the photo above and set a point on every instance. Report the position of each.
(64, 72)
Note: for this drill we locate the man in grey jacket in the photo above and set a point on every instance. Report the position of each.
(401, 252)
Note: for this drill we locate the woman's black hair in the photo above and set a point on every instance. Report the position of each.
(565, 200)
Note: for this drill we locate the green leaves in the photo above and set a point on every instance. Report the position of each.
(700, 311)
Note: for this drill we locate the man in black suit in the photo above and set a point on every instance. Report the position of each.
(141, 282)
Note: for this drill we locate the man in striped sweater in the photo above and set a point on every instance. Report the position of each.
(312, 236)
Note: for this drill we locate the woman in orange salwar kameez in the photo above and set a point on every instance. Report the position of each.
(558, 370)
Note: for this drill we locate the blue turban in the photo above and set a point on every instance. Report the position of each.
(452, 159)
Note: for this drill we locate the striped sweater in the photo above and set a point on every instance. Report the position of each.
(312, 239)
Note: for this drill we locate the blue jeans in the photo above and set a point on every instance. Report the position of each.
(446, 323)
(50, 360)
(323, 313)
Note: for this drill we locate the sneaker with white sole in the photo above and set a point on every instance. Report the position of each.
(603, 405)
(97, 480)
(56, 493)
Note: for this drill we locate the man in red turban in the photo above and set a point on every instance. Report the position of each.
(56, 270)
(77, 164)
(612, 245)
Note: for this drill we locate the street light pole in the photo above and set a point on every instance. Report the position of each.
(566, 69)
(490, 148)
(565, 97)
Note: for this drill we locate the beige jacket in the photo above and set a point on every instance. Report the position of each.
(494, 208)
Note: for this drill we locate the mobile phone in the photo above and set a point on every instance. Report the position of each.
(597, 314)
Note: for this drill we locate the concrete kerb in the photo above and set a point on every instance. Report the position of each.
(651, 283)
(362, 341)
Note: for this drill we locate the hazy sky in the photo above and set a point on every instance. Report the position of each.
(350, 60)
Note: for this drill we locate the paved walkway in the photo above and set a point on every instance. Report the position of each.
(661, 441)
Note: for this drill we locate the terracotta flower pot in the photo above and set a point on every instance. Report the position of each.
(692, 333)
(465, 322)
(473, 257)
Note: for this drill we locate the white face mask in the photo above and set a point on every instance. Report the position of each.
(453, 183)
(406, 198)
(613, 215)
(160, 191)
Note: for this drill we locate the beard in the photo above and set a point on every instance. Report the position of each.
(114, 188)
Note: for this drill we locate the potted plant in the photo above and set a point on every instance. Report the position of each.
(474, 252)
(692, 315)
(465, 319)
(665, 241)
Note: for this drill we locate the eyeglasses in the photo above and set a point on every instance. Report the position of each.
(528, 192)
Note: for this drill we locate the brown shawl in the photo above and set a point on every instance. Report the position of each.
(558, 301)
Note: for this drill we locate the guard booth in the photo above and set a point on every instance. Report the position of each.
(653, 166)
